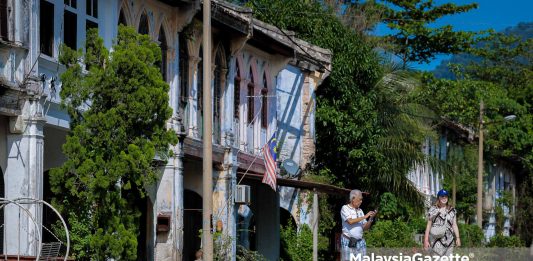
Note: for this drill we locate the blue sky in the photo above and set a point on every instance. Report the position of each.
(494, 14)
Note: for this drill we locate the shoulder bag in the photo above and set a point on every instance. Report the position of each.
(438, 232)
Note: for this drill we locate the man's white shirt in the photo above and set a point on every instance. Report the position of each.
(356, 229)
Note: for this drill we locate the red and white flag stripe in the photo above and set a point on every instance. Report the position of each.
(270, 164)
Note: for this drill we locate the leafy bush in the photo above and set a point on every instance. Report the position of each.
(388, 206)
(389, 233)
(221, 247)
(296, 245)
(418, 224)
(504, 241)
(471, 235)
(392, 207)
(244, 254)
(222, 250)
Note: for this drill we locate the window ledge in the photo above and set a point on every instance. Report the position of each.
(13, 44)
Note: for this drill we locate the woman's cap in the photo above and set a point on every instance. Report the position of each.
(442, 193)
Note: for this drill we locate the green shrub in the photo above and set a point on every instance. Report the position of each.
(418, 224)
(387, 233)
(244, 254)
(471, 235)
(504, 241)
(296, 245)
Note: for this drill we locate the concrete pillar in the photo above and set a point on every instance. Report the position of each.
(178, 197)
(224, 210)
(24, 177)
(232, 211)
(266, 211)
(164, 201)
(169, 202)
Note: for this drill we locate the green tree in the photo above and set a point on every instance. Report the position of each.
(507, 61)
(405, 125)
(414, 36)
(118, 110)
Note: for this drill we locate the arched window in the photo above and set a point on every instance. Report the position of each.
(3, 20)
(236, 91)
(250, 95)
(217, 92)
(184, 70)
(264, 103)
(163, 45)
(217, 96)
(143, 24)
(200, 81)
(200, 94)
(122, 18)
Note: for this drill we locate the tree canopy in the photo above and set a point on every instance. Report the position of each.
(415, 37)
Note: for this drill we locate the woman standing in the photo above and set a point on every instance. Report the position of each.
(442, 233)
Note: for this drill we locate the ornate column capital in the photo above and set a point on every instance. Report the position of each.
(194, 60)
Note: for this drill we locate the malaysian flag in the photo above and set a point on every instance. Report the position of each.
(270, 153)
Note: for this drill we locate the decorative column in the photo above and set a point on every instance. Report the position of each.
(178, 189)
(191, 129)
(24, 175)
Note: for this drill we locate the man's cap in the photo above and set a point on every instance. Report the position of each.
(442, 193)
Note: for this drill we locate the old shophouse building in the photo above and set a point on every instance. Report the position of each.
(263, 83)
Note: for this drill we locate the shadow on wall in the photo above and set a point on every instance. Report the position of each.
(290, 111)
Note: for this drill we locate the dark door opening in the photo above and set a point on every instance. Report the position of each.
(2, 194)
(49, 216)
(192, 224)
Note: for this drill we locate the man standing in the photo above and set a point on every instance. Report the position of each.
(354, 222)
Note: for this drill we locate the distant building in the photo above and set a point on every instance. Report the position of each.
(263, 82)
(500, 178)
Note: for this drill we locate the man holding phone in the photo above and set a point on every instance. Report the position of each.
(354, 222)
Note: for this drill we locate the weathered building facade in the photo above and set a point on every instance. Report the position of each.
(263, 83)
